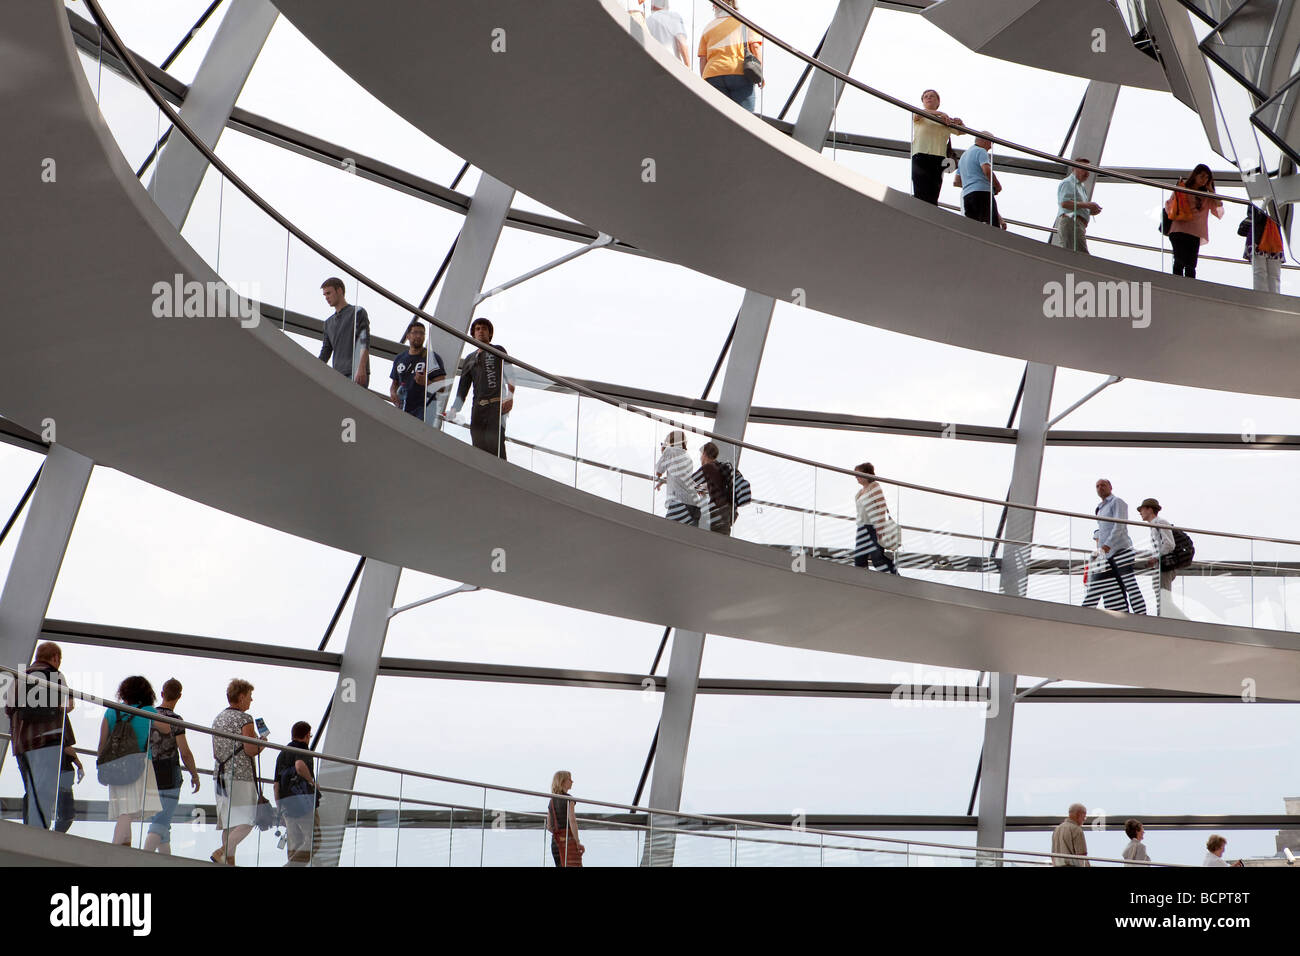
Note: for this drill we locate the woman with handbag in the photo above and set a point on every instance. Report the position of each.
(875, 526)
(1189, 220)
(234, 775)
(1264, 249)
(124, 763)
(731, 59)
(562, 823)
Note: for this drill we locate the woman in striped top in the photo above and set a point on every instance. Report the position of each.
(873, 512)
(674, 469)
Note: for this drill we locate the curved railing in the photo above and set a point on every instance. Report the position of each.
(372, 814)
(796, 512)
(807, 63)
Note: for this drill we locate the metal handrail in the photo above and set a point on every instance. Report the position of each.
(781, 506)
(108, 30)
(1203, 257)
(964, 130)
(66, 691)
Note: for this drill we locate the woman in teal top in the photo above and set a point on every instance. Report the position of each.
(137, 796)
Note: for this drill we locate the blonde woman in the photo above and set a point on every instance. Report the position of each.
(563, 823)
(234, 773)
(673, 470)
(873, 513)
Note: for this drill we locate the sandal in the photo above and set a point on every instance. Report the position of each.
(218, 856)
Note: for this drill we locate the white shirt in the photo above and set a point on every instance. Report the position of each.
(1110, 532)
(666, 26)
(1136, 850)
(675, 465)
(1212, 860)
(1162, 537)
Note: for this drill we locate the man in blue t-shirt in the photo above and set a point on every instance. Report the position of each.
(413, 371)
(979, 184)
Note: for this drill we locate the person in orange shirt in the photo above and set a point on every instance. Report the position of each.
(722, 57)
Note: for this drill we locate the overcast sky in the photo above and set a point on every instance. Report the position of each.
(143, 557)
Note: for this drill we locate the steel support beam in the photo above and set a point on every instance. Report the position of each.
(743, 361)
(1026, 472)
(810, 129)
(38, 557)
(209, 103)
(469, 266)
(674, 739)
(350, 708)
(995, 765)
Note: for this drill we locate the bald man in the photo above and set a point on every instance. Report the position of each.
(1068, 837)
(1115, 552)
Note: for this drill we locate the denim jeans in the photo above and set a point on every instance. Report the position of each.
(65, 807)
(867, 550)
(738, 89)
(40, 772)
(161, 823)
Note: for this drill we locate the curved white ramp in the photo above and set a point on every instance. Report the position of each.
(581, 98)
(250, 424)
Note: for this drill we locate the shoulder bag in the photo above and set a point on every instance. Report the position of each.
(753, 69)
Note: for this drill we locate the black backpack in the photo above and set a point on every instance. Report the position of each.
(120, 761)
(292, 783)
(1182, 554)
(737, 490)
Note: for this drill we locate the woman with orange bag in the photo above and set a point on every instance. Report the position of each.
(1189, 219)
(1263, 248)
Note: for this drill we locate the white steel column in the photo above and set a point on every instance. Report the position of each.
(1026, 472)
(29, 585)
(674, 739)
(815, 116)
(350, 708)
(209, 102)
(746, 354)
(469, 266)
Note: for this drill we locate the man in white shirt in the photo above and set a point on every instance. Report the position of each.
(1115, 549)
(668, 27)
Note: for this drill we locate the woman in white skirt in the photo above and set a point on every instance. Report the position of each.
(873, 514)
(234, 772)
(674, 469)
(136, 796)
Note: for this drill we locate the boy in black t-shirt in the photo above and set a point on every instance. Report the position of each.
(413, 371)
